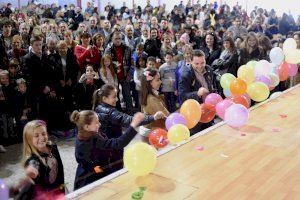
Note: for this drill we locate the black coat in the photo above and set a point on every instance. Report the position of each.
(113, 120)
(152, 47)
(99, 150)
(257, 54)
(210, 57)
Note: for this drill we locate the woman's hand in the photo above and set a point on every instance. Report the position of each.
(137, 119)
(159, 115)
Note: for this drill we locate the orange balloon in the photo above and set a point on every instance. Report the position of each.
(191, 110)
(238, 86)
(239, 99)
(158, 138)
(208, 112)
(283, 71)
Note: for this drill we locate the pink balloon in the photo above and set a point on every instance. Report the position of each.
(222, 106)
(293, 69)
(236, 115)
(213, 99)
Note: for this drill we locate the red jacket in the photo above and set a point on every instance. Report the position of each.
(85, 57)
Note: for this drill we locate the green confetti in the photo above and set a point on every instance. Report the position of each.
(137, 195)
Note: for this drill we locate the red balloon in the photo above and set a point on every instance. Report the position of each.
(239, 99)
(208, 112)
(283, 71)
(158, 138)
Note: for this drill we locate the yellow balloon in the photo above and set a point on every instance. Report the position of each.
(140, 158)
(191, 110)
(178, 133)
(226, 80)
(246, 73)
(258, 91)
(252, 64)
(293, 56)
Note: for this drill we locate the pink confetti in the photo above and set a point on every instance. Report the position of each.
(200, 148)
(283, 116)
(276, 130)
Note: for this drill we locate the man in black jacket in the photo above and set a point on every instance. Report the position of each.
(196, 82)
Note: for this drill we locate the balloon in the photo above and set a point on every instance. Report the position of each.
(226, 80)
(191, 110)
(283, 71)
(178, 133)
(276, 55)
(222, 106)
(263, 67)
(275, 95)
(213, 99)
(226, 93)
(265, 79)
(274, 79)
(293, 69)
(236, 115)
(140, 158)
(238, 86)
(252, 64)
(158, 138)
(208, 112)
(289, 44)
(248, 100)
(246, 73)
(239, 99)
(293, 56)
(175, 118)
(258, 91)
(4, 191)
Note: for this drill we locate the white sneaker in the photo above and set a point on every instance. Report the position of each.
(2, 149)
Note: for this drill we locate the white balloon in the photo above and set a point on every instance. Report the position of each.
(276, 55)
(275, 95)
(289, 44)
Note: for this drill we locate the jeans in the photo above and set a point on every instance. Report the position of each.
(126, 94)
(170, 100)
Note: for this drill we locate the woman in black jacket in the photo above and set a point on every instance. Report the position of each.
(250, 50)
(96, 154)
(153, 44)
(212, 50)
(104, 103)
(228, 60)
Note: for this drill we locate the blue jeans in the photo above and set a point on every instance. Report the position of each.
(126, 92)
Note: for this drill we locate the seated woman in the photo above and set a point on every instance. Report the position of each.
(211, 49)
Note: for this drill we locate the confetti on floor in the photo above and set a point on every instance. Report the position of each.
(200, 148)
(283, 116)
(276, 130)
(224, 156)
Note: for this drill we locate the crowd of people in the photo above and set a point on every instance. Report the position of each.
(108, 66)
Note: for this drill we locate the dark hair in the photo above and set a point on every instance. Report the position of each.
(215, 39)
(146, 87)
(198, 53)
(170, 53)
(6, 22)
(35, 38)
(139, 46)
(231, 42)
(104, 91)
(85, 34)
(96, 36)
(151, 59)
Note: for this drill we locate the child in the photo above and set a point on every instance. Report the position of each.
(151, 62)
(7, 109)
(88, 83)
(13, 70)
(42, 163)
(107, 71)
(97, 154)
(167, 75)
(105, 100)
(151, 102)
(139, 68)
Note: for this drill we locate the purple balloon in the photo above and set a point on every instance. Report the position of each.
(213, 99)
(236, 115)
(222, 106)
(173, 119)
(266, 80)
(293, 69)
(3, 190)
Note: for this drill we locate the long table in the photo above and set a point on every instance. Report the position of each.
(259, 161)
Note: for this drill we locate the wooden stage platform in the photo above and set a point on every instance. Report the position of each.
(261, 161)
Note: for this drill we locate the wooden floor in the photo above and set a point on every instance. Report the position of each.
(261, 161)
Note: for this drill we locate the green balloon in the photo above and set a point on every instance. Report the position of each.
(226, 80)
